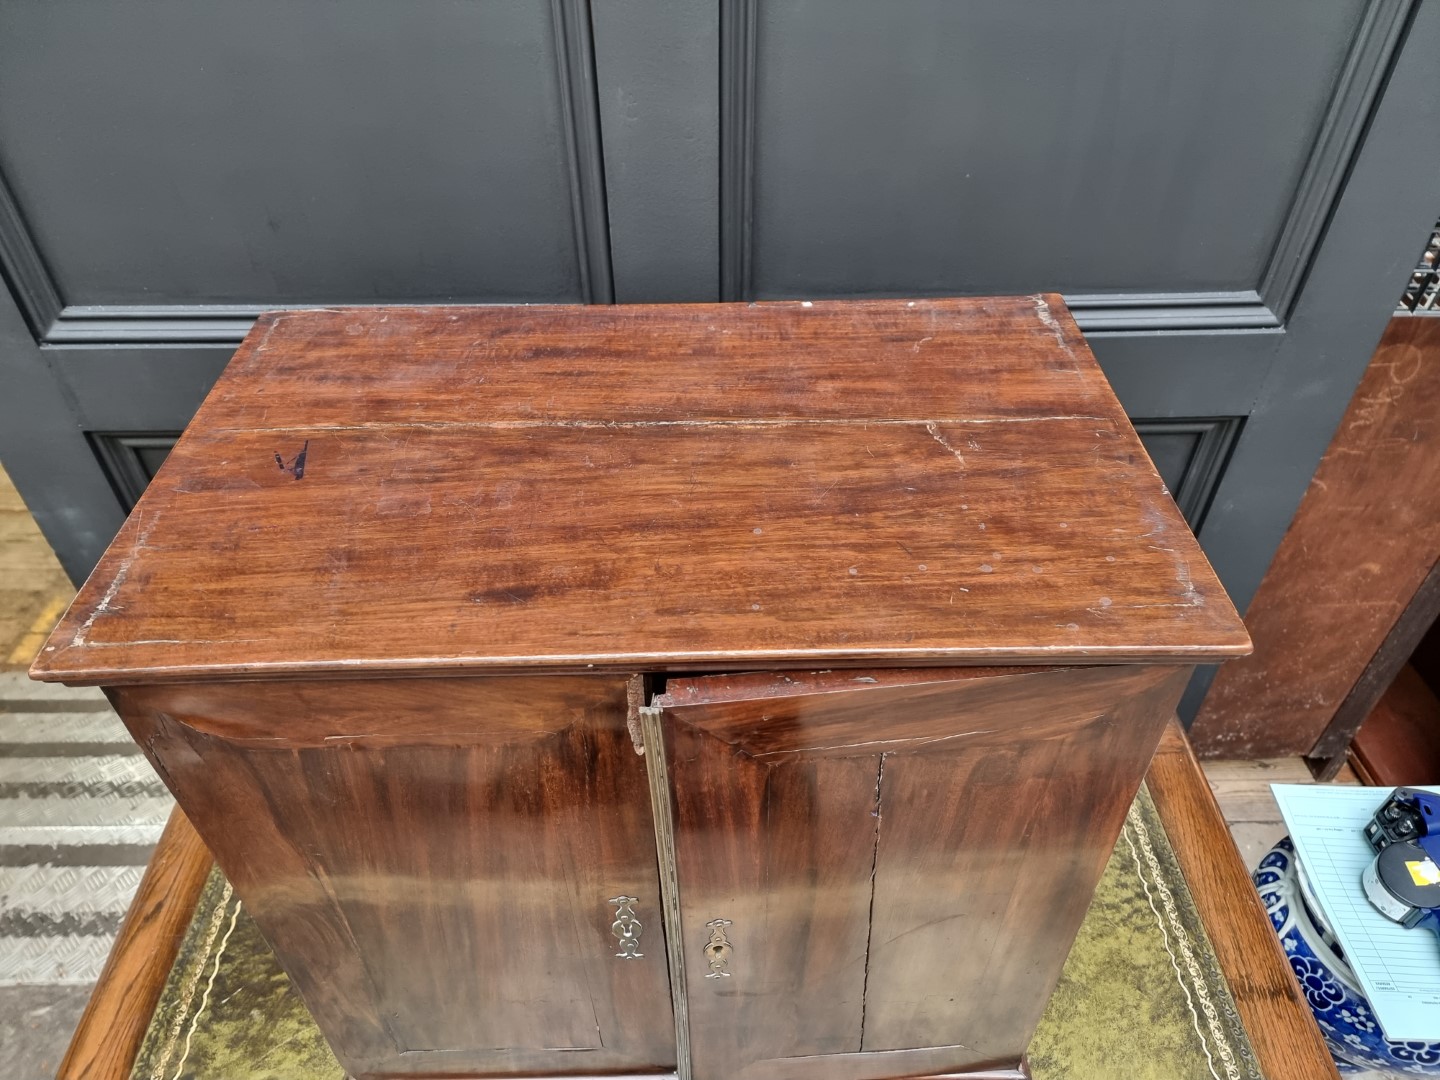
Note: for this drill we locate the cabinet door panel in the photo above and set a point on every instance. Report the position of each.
(901, 859)
(434, 862)
(794, 886)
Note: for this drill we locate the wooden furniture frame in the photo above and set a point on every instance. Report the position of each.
(749, 691)
(1355, 584)
(1332, 748)
(1398, 745)
(1281, 1028)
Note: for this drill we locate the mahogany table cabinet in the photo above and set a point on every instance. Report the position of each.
(715, 691)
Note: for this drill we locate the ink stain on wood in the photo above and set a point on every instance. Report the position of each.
(296, 468)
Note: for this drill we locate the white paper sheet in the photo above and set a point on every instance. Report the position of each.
(1398, 969)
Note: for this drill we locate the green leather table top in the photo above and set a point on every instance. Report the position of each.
(1141, 995)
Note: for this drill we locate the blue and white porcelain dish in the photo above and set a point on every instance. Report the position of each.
(1354, 1036)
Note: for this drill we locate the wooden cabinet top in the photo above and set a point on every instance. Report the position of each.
(496, 489)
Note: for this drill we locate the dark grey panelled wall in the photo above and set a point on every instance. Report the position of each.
(1229, 194)
(1100, 147)
(168, 168)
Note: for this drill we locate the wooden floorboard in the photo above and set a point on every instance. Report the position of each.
(34, 591)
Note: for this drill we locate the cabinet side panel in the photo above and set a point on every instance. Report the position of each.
(272, 874)
(435, 862)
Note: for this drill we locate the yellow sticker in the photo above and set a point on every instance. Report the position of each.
(1424, 872)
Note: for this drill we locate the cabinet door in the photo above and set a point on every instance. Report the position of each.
(438, 863)
(880, 873)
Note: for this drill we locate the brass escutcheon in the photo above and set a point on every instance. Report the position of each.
(717, 949)
(627, 927)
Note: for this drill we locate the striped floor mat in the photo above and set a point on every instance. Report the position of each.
(80, 811)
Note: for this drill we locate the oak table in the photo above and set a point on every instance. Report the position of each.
(711, 690)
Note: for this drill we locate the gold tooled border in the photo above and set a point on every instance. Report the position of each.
(192, 984)
(1212, 1009)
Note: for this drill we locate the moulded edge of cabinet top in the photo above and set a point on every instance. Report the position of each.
(497, 489)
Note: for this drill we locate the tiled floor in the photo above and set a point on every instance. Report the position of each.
(35, 1025)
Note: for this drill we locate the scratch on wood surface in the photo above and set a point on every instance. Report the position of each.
(1370, 408)
(1142, 607)
(1043, 310)
(1191, 595)
(1182, 575)
(379, 427)
(264, 342)
(142, 538)
(934, 431)
(284, 316)
(827, 1062)
(169, 641)
(1024, 419)
(927, 925)
(447, 736)
(916, 740)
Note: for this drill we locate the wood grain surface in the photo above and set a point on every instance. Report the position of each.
(434, 862)
(1406, 635)
(903, 867)
(669, 487)
(1361, 544)
(105, 1043)
(1282, 1030)
(118, 1014)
